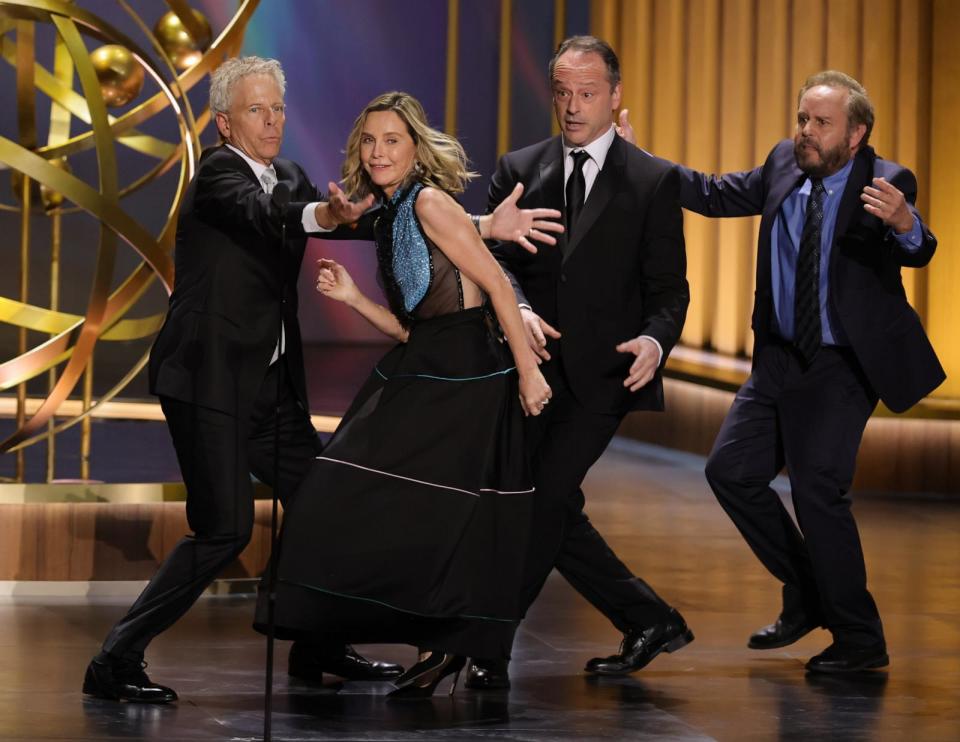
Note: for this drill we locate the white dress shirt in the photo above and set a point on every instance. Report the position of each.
(308, 218)
(597, 149)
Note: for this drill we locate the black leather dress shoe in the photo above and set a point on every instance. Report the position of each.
(641, 646)
(836, 658)
(783, 632)
(124, 680)
(488, 675)
(310, 661)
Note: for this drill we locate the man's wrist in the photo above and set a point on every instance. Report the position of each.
(658, 346)
(324, 218)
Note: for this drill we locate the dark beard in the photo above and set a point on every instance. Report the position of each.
(831, 160)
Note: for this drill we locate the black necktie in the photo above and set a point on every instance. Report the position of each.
(576, 190)
(807, 334)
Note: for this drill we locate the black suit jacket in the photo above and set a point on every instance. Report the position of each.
(865, 286)
(233, 280)
(620, 274)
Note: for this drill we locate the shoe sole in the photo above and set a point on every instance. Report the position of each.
(783, 643)
(670, 647)
(873, 664)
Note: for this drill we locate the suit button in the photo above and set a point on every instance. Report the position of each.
(563, 278)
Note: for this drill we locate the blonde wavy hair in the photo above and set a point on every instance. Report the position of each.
(440, 159)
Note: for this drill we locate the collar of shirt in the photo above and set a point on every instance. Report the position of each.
(597, 149)
(832, 183)
(257, 167)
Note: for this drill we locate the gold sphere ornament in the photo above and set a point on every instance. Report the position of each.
(50, 198)
(176, 40)
(119, 74)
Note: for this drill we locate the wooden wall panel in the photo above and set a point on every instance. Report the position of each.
(898, 454)
(106, 541)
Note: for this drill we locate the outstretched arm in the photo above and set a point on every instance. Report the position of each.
(334, 281)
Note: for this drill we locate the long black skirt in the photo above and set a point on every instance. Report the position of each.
(412, 525)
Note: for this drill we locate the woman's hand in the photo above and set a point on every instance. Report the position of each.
(334, 281)
(535, 393)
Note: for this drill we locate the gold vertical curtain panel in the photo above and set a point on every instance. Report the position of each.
(713, 84)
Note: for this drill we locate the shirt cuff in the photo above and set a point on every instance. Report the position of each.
(309, 219)
(524, 306)
(912, 240)
(659, 347)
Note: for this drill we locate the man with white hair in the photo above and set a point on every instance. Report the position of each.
(220, 361)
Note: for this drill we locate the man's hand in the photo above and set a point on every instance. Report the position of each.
(623, 127)
(536, 331)
(887, 202)
(510, 224)
(645, 365)
(339, 209)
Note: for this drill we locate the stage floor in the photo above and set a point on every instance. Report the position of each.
(656, 511)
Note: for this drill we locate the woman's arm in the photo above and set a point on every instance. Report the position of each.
(334, 281)
(450, 229)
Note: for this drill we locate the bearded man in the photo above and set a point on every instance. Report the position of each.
(833, 333)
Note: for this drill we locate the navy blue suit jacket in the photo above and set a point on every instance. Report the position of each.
(865, 285)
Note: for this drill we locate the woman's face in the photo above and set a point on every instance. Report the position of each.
(387, 150)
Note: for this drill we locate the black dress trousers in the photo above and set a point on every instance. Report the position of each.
(217, 453)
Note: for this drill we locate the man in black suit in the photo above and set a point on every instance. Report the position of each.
(602, 310)
(228, 368)
(833, 332)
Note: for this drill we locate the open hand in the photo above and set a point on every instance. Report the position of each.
(510, 224)
(343, 211)
(887, 202)
(644, 365)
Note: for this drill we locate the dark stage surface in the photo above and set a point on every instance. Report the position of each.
(655, 509)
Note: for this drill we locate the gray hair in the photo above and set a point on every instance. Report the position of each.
(859, 107)
(223, 79)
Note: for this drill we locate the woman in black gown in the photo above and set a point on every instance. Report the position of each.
(413, 523)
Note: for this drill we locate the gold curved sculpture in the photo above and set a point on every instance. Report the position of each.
(107, 63)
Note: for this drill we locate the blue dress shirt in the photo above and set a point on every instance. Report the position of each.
(785, 246)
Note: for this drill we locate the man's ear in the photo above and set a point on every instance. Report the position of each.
(856, 136)
(223, 124)
(617, 94)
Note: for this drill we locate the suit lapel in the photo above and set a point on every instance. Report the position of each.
(604, 188)
(860, 176)
(551, 184)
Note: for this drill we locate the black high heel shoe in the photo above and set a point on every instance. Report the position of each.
(421, 680)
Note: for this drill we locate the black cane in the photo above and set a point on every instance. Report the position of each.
(280, 198)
